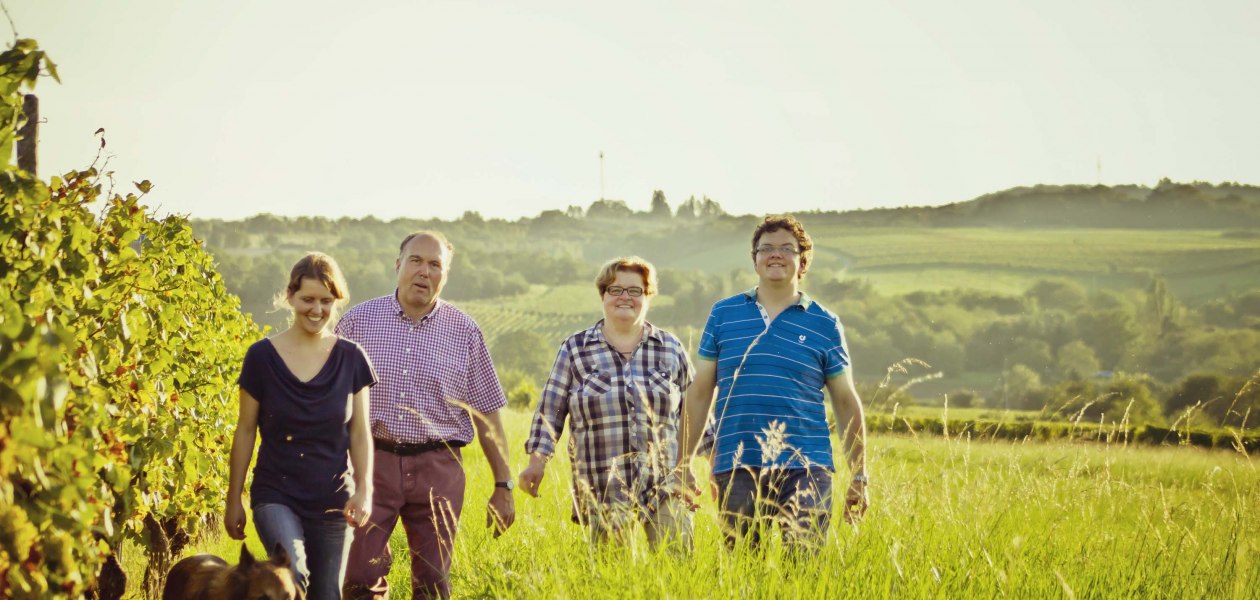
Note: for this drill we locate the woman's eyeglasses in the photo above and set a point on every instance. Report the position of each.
(616, 290)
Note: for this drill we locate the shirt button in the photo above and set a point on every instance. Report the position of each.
(288, 438)
(404, 372)
(407, 350)
(402, 395)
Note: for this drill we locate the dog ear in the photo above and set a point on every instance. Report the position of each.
(247, 559)
(280, 557)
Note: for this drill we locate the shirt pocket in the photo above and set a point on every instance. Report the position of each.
(665, 395)
(596, 398)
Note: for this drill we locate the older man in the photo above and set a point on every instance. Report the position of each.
(434, 371)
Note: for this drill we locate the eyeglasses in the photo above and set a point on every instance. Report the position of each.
(616, 290)
(783, 250)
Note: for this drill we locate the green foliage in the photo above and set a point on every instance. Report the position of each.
(118, 351)
(521, 390)
(524, 350)
(1018, 385)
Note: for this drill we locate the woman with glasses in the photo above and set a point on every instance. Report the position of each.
(619, 385)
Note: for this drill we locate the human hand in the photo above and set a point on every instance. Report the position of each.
(234, 519)
(687, 489)
(358, 509)
(500, 511)
(856, 501)
(530, 479)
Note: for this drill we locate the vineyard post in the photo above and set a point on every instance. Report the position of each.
(28, 134)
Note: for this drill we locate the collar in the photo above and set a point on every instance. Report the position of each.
(397, 308)
(804, 301)
(595, 334)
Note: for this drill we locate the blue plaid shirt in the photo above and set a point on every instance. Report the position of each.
(623, 415)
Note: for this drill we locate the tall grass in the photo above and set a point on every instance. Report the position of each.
(949, 518)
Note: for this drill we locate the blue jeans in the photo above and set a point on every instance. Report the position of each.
(317, 548)
(799, 500)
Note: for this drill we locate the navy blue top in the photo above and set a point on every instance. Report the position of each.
(304, 459)
(769, 410)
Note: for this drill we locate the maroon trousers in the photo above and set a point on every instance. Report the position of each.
(427, 492)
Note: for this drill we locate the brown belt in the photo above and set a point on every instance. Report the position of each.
(413, 449)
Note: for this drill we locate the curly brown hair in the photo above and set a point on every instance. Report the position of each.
(789, 223)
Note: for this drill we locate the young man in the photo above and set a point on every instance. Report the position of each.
(434, 369)
(769, 352)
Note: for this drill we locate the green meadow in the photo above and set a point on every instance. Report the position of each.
(949, 518)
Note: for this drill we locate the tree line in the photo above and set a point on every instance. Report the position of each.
(1057, 344)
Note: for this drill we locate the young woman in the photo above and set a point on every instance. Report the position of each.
(305, 391)
(619, 385)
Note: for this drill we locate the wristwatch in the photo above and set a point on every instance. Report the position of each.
(861, 478)
(508, 485)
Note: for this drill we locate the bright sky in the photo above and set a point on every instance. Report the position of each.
(430, 108)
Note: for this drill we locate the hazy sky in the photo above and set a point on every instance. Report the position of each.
(422, 108)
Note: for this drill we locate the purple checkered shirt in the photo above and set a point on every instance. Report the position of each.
(428, 370)
(623, 416)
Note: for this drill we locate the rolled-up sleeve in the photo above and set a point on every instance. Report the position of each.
(553, 406)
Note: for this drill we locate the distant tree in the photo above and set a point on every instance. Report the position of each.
(1128, 395)
(710, 209)
(1076, 360)
(1018, 384)
(1160, 308)
(964, 398)
(1033, 353)
(1057, 294)
(689, 209)
(1202, 389)
(608, 209)
(1111, 333)
(660, 208)
(553, 223)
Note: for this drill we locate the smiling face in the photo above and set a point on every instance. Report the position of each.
(422, 269)
(312, 306)
(626, 308)
(777, 267)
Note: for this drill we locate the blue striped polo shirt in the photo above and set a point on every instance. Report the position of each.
(769, 410)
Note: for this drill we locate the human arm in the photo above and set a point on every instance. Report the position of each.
(851, 426)
(359, 506)
(548, 423)
(695, 413)
(485, 400)
(239, 457)
(501, 511)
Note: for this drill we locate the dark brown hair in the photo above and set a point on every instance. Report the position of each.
(789, 223)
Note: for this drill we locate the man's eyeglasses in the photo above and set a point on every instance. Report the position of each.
(783, 250)
(616, 290)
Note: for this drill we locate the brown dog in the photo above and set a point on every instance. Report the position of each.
(208, 577)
